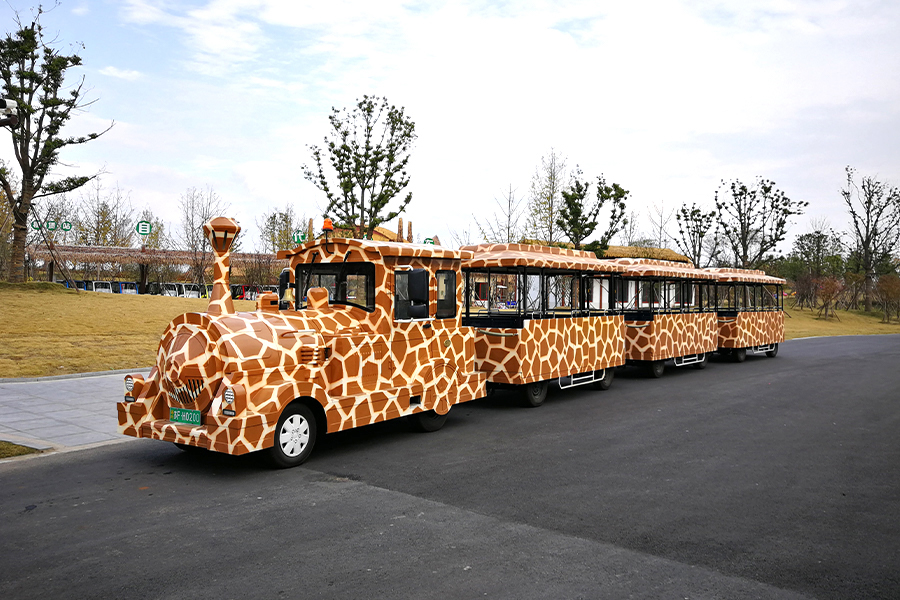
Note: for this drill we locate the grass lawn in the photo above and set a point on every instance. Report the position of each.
(8, 450)
(805, 323)
(49, 330)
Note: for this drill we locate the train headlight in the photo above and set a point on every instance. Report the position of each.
(129, 384)
(229, 396)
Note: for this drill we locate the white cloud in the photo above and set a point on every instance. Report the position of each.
(126, 74)
(666, 98)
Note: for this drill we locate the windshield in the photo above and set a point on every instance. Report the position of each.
(347, 283)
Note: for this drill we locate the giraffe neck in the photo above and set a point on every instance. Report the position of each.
(220, 302)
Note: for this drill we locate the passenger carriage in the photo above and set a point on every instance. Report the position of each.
(750, 310)
(542, 313)
(670, 313)
(370, 331)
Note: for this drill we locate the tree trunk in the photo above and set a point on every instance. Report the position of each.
(20, 234)
(868, 293)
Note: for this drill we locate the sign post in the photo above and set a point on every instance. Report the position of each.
(143, 228)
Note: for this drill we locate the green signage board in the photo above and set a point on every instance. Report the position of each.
(144, 228)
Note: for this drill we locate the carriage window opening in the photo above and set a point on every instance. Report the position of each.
(726, 297)
(596, 290)
(770, 297)
(689, 296)
(561, 293)
(492, 293)
(531, 293)
(446, 295)
(627, 294)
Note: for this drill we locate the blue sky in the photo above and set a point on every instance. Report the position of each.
(666, 98)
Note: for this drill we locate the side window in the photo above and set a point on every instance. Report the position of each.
(446, 295)
(411, 294)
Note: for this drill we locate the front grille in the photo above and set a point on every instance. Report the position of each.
(187, 393)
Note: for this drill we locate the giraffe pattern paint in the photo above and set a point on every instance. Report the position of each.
(358, 366)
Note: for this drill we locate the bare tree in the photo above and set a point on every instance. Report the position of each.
(660, 220)
(105, 218)
(463, 237)
(754, 219)
(277, 228)
(547, 184)
(875, 216)
(198, 207)
(503, 227)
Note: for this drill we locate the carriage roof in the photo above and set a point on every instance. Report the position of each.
(398, 249)
(649, 267)
(745, 276)
(535, 256)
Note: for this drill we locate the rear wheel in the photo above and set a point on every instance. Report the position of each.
(535, 393)
(773, 352)
(606, 381)
(295, 437)
(656, 368)
(427, 421)
(703, 362)
(739, 354)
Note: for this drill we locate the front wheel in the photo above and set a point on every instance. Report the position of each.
(739, 354)
(773, 352)
(535, 393)
(427, 421)
(656, 368)
(606, 381)
(703, 362)
(295, 437)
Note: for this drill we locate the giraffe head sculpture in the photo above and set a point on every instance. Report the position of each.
(221, 232)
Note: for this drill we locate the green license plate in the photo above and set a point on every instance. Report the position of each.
(185, 415)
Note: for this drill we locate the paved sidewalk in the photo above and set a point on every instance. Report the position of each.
(60, 413)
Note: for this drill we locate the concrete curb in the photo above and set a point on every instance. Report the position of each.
(73, 376)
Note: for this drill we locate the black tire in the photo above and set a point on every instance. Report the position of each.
(773, 352)
(295, 437)
(534, 394)
(703, 362)
(739, 355)
(656, 368)
(428, 421)
(603, 384)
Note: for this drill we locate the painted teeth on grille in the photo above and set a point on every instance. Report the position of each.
(188, 392)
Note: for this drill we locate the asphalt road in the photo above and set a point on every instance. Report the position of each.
(775, 478)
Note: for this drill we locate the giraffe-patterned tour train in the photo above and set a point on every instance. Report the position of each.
(364, 331)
